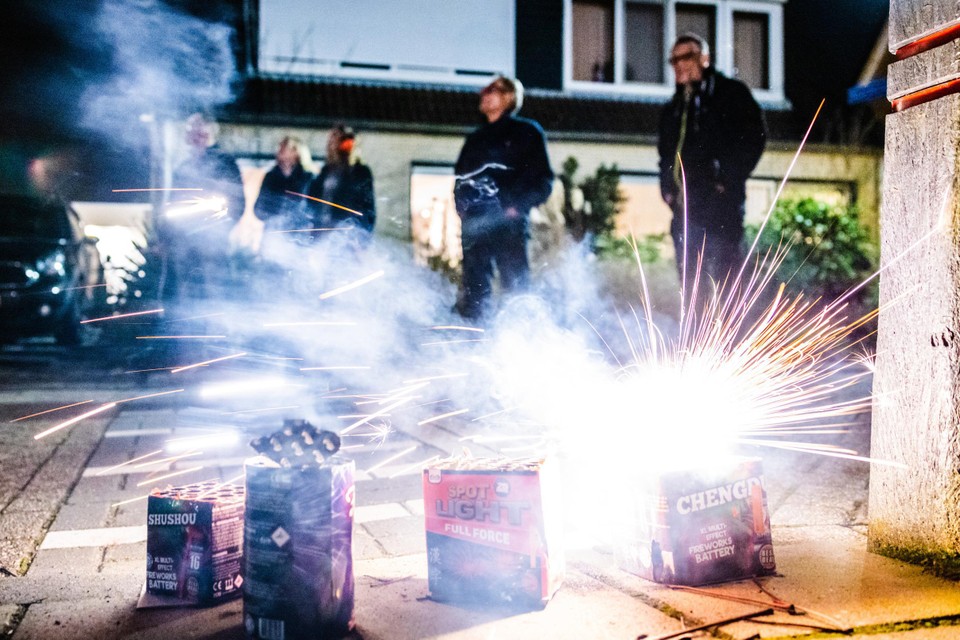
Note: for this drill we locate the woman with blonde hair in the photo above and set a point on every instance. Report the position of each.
(345, 185)
(276, 205)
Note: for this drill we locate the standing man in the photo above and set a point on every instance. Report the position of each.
(717, 129)
(197, 226)
(502, 172)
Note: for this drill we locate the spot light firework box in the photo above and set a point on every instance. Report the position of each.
(698, 527)
(493, 531)
(194, 543)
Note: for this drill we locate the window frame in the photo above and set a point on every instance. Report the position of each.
(722, 57)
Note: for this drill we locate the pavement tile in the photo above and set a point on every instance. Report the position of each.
(91, 618)
(81, 516)
(365, 546)
(221, 622)
(394, 527)
(404, 545)
(78, 562)
(414, 506)
(126, 553)
(97, 490)
(392, 604)
(375, 512)
(9, 616)
(13, 550)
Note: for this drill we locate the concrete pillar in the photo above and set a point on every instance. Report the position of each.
(915, 512)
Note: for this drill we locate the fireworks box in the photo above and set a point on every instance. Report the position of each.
(298, 558)
(194, 542)
(493, 531)
(697, 527)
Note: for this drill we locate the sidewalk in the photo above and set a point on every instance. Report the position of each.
(88, 569)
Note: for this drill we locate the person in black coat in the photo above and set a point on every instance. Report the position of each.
(207, 199)
(717, 128)
(502, 172)
(276, 205)
(342, 194)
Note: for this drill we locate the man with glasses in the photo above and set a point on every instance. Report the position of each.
(716, 129)
(502, 172)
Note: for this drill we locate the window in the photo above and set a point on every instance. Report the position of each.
(622, 45)
(751, 46)
(593, 41)
(644, 42)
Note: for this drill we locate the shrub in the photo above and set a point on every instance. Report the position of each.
(829, 250)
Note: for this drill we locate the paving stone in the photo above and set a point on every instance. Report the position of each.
(91, 618)
(405, 526)
(403, 545)
(81, 561)
(81, 516)
(14, 550)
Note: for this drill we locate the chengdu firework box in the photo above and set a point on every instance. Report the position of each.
(194, 544)
(298, 528)
(493, 531)
(699, 526)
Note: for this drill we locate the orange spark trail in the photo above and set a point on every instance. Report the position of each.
(181, 337)
(75, 420)
(377, 414)
(414, 466)
(169, 475)
(156, 189)
(392, 458)
(34, 415)
(332, 204)
(189, 454)
(122, 315)
(123, 464)
(352, 285)
(137, 499)
(442, 416)
(206, 362)
(451, 327)
(149, 395)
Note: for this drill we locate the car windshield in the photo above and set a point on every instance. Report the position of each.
(25, 217)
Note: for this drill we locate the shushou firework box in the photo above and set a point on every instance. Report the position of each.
(493, 531)
(298, 534)
(697, 527)
(194, 544)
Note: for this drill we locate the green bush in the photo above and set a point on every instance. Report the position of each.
(829, 250)
(595, 216)
(647, 248)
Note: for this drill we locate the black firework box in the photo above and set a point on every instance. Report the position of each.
(194, 544)
(298, 535)
(493, 531)
(703, 526)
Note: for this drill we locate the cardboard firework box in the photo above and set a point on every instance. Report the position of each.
(493, 531)
(195, 542)
(298, 550)
(697, 527)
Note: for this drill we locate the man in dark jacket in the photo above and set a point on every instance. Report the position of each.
(502, 172)
(196, 229)
(717, 129)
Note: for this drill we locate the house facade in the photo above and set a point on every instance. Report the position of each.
(405, 75)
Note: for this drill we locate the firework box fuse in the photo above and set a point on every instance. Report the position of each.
(194, 544)
(697, 527)
(298, 558)
(493, 531)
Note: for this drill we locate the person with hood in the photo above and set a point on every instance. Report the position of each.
(711, 136)
(502, 172)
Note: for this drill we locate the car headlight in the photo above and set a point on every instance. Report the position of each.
(52, 265)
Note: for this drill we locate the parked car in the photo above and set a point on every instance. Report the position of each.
(51, 277)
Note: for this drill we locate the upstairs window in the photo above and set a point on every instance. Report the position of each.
(622, 45)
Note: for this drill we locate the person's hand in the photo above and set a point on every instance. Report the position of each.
(511, 212)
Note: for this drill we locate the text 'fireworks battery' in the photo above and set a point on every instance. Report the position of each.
(298, 530)
(194, 542)
(493, 531)
(698, 527)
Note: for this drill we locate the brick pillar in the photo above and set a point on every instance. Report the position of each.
(915, 512)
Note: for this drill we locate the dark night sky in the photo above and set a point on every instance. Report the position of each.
(827, 42)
